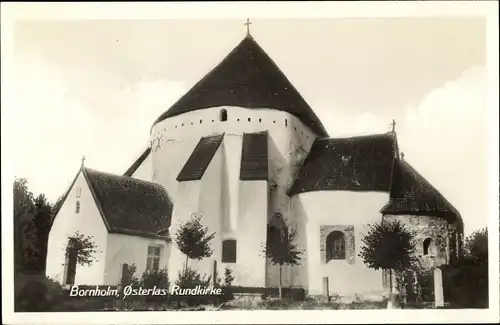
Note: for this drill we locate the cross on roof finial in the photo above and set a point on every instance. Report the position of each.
(83, 160)
(248, 23)
(393, 126)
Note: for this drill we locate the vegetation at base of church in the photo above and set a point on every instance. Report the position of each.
(193, 239)
(281, 250)
(228, 277)
(36, 293)
(388, 246)
(466, 282)
(83, 247)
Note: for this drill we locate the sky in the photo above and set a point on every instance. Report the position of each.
(94, 88)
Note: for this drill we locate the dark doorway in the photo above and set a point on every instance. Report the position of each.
(71, 259)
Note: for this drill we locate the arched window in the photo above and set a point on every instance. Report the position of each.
(335, 246)
(77, 207)
(229, 251)
(223, 115)
(427, 246)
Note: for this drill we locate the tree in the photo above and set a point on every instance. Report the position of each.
(83, 247)
(476, 245)
(281, 250)
(388, 246)
(31, 228)
(193, 239)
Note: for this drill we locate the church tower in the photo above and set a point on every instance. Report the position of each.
(228, 151)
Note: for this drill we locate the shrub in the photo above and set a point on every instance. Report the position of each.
(36, 293)
(152, 279)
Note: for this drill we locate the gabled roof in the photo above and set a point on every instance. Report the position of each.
(254, 157)
(130, 206)
(138, 162)
(200, 158)
(249, 78)
(362, 163)
(412, 194)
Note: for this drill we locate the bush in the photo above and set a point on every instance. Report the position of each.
(36, 293)
(189, 279)
(466, 284)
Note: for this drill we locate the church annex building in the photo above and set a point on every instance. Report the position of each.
(245, 151)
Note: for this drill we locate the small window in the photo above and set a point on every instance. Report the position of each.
(201, 121)
(77, 207)
(335, 246)
(229, 251)
(153, 260)
(249, 119)
(182, 124)
(223, 115)
(260, 120)
(274, 121)
(238, 119)
(78, 192)
(191, 123)
(286, 122)
(427, 246)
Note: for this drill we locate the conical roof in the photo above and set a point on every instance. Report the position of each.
(247, 77)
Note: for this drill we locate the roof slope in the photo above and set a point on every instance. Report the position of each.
(130, 206)
(200, 158)
(249, 78)
(362, 163)
(412, 194)
(138, 162)
(254, 157)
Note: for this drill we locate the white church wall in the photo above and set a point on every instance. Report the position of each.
(343, 210)
(123, 249)
(290, 140)
(178, 136)
(185, 205)
(89, 223)
(250, 267)
(145, 170)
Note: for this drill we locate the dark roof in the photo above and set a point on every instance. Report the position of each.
(362, 163)
(138, 162)
(130, 206)
(412, 194)
(254, 157)
(249, 78)
(200, 158)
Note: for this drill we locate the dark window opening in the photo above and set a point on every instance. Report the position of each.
(286, 122)
(229, 251)
(274, 121)
(260, 120)
(77, 208)
(182, 124)
(223, 115)
(201, 121)
(335, 246)
(427, 244)
(238, 119)
(249, 119)
(191, 123)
